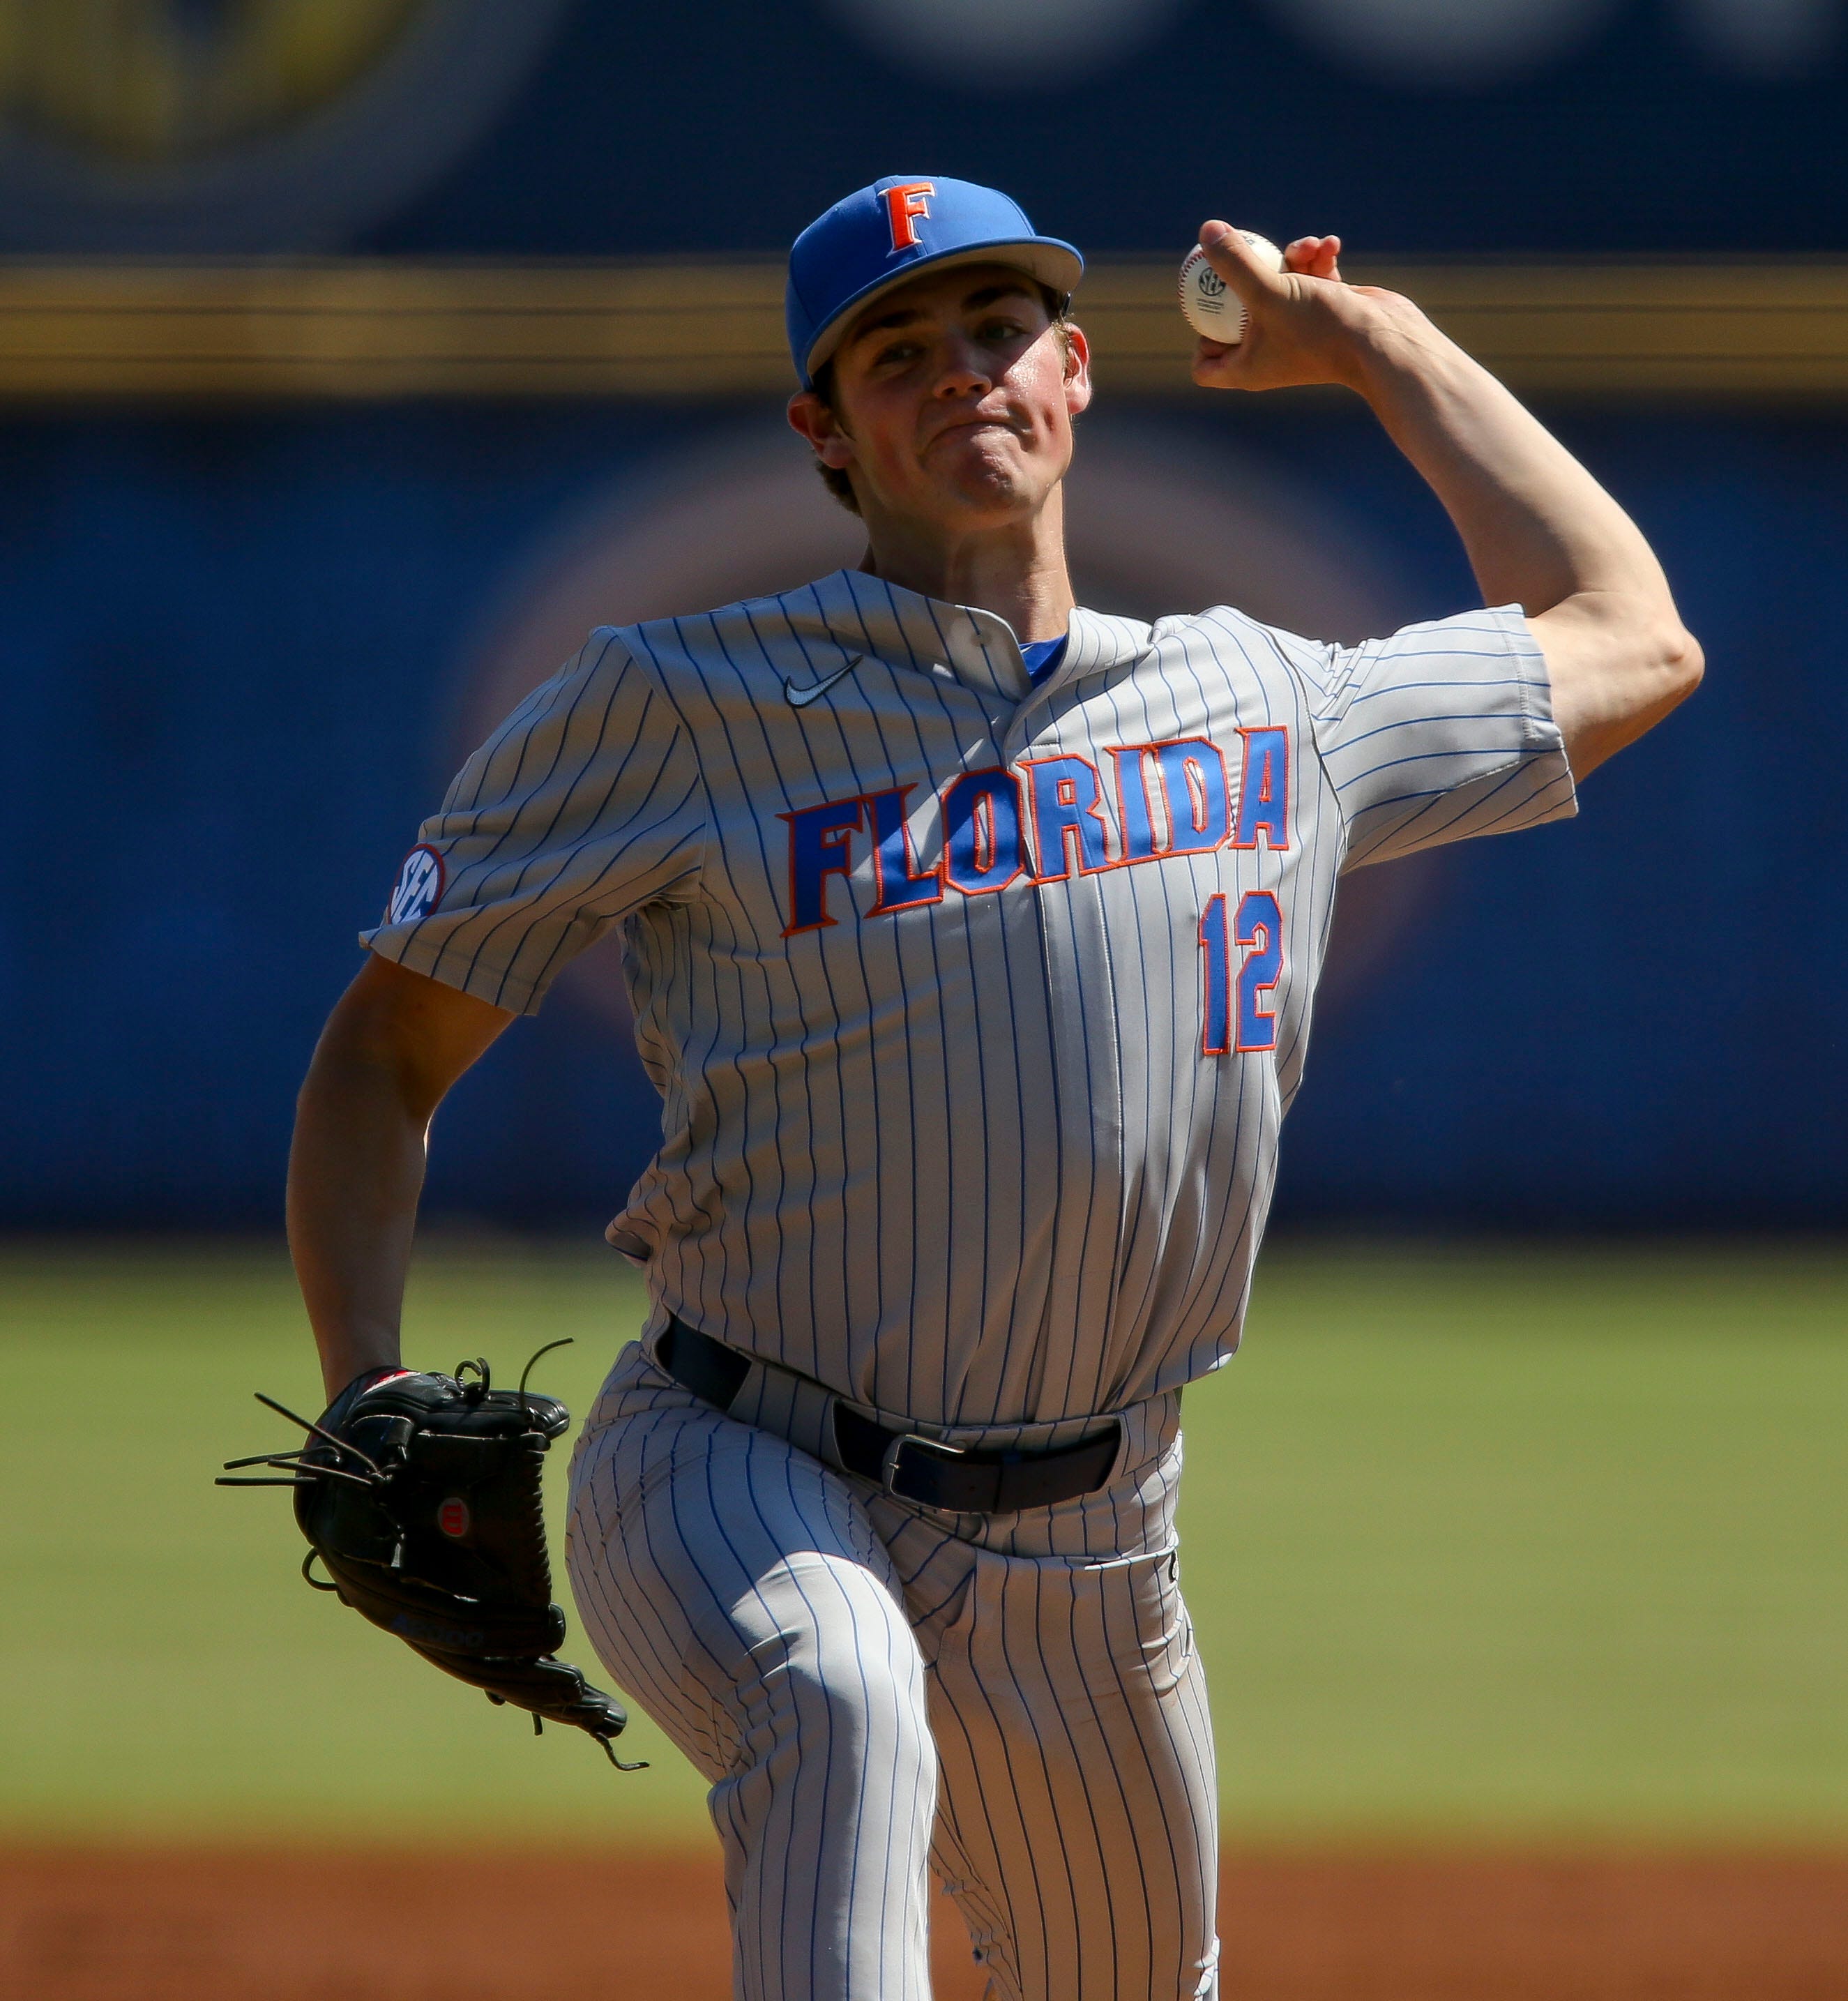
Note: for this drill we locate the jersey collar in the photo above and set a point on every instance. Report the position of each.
(975, 646)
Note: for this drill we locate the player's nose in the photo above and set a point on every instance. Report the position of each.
(964, 371)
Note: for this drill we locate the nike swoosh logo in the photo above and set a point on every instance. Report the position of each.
(800, 698)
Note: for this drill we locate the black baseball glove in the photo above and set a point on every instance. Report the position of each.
(420, 1495)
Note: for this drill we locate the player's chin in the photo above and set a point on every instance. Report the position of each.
(992, 503)
(988, 471)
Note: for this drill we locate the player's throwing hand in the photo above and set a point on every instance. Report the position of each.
(1304, 325)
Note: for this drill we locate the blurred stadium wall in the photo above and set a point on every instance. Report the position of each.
(357, 355)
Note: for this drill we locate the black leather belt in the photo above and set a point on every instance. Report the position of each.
(962, 1480)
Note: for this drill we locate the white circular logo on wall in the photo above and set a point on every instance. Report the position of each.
(1019, 44)
(418, 889)
(193, 126)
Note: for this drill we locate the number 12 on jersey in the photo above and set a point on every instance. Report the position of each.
(1258, 931)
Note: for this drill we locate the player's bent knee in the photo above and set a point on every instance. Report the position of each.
(837, 1672)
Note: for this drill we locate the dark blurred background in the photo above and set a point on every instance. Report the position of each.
(265, 575)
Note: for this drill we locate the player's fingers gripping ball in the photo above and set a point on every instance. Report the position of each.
(1209, 305)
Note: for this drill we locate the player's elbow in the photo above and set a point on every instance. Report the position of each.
(1656, 663)
(1617, 671)
(1662, 666)
(1679, 666)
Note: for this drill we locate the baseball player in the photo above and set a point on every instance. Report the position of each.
(973, 937)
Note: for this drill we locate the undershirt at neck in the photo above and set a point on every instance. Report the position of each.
(1043, 656)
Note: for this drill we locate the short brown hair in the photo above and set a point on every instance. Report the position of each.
(835, 479)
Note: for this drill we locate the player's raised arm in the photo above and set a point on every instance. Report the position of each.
(1540, 530)
(392, 1047)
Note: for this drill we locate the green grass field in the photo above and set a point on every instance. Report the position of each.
(1480, 1545)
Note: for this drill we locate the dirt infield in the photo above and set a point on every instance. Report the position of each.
(161, 1925)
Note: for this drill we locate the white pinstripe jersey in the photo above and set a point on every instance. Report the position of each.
(975, 1007)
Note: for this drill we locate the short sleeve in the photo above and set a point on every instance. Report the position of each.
(585, 805)
(1441, 732)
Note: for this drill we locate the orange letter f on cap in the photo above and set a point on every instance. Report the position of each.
(904, 204)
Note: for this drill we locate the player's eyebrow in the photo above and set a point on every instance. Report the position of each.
(898, 316)
(1007, 288)
(902, 315)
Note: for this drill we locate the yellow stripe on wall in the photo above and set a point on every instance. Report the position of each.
(382, 328)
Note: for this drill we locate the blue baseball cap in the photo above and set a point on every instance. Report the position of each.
(887, 233)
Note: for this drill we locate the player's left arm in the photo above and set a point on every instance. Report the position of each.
(1540, 531)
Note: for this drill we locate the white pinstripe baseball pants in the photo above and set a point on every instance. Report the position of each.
(1018, 1706)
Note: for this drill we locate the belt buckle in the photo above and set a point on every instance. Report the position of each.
(892, 1465)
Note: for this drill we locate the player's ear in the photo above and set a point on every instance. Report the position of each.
(1077, 369)
(811, 417)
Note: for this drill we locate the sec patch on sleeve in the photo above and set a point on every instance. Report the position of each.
(418, 889)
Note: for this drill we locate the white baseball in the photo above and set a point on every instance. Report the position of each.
(1208, 303)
